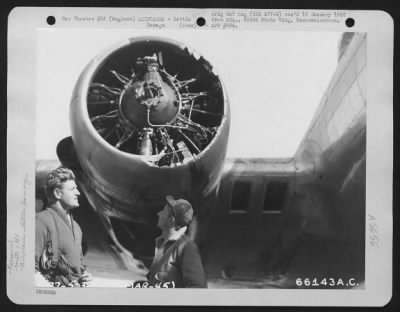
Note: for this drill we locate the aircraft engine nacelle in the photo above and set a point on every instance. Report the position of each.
(149, 118)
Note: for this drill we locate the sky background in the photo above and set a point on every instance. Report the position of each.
(274, 81)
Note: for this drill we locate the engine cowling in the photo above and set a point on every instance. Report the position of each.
(149, 118)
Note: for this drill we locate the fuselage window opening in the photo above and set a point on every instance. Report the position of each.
(240, 196)
(274, 196)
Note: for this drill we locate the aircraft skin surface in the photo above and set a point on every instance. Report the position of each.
(323, 189)
(306, 213)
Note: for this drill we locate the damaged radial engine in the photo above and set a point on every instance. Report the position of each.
(153, 113)
(149, 118)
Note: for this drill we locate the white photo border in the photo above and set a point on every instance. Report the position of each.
(23, 25)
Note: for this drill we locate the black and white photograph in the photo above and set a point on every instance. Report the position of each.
(202, 150)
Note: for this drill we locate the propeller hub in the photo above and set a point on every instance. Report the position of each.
(149, 101)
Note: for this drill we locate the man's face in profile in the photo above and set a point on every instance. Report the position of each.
(164, 217)
(68, 195)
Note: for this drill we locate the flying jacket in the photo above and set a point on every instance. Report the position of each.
(58, 251)
(180, 263)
